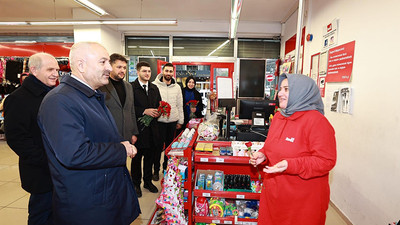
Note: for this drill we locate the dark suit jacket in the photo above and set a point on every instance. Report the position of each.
(124, 117)
(148, 136)
(24, 137)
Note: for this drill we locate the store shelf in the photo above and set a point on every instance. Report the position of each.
(221, 220)
(227, 194)
(221, 159)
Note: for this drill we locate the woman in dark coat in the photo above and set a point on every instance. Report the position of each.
(190, 93)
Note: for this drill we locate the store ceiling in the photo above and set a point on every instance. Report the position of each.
(182, 10)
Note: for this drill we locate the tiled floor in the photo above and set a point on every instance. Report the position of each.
(14, 200)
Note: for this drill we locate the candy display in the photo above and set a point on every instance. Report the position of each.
(208, 131)
(201, 207)
(233, 182)
(171, 197)
(217, 207)
(247, 208)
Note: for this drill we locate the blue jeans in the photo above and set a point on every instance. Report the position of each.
(39, 209)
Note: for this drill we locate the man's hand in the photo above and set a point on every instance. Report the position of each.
(178, 126)
(257, 158)
(277, 168)
(133, 139)
(130, 149)
(151, 112)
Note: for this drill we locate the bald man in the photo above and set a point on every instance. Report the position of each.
(87, 156)
(24, 137)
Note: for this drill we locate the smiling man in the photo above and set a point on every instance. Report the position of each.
(24, 137)
(119, 99)
(87, 155)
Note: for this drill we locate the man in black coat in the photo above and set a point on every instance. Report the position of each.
(147, 100)
(24, 137)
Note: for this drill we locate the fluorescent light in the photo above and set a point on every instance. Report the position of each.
(25, 42)
(166, 47)
(47, 23)
(13, 23)
(222, 45)
(91, 22)
(235, 14)
(141, 22)
(92, 7)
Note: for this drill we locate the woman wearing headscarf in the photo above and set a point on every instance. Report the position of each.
(190, 93)
(297, 156)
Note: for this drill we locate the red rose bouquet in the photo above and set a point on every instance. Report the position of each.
(192, 105)
(164, 109)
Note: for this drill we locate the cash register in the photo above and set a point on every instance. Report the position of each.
(258, 111)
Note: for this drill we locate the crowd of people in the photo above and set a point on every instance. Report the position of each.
(73, 140)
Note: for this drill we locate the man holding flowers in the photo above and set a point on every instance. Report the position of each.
(147, 102)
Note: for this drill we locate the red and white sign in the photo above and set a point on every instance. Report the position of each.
(270, 77)
(340, 63)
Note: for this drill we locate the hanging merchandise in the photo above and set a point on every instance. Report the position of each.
(171, 197)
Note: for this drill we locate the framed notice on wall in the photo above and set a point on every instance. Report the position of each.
(340, 63)
(314, 70)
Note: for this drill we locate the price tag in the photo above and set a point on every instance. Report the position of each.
(215, 221)
(203, 159)
(240, 196)
(219, 160)
(228, 222)
(206, 195)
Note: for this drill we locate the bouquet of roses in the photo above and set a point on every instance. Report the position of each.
(164, 109)
(192, 105)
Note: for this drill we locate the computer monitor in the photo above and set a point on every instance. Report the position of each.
(248, 106)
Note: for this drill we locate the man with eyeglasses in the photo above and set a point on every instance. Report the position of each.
(170, 92)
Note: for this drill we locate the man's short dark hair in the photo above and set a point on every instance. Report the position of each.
(114, 57)
(169, 65)
(140, 64)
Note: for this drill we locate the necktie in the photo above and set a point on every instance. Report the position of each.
(144, 87)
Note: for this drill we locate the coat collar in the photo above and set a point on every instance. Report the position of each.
(68, 80)
(35, 86)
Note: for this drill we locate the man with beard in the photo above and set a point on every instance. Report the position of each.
(170, 92)
(147, 100)
(119, 99)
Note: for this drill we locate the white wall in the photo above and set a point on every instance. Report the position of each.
(365, 184)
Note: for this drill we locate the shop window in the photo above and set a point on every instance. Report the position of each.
(200, 46)
(259, 48)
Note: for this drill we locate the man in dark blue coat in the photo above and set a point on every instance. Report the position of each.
(87, 156)
(24, 137)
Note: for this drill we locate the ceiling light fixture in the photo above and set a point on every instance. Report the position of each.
(222, 45)
(92, 7)
(235, 14)
(90, 22)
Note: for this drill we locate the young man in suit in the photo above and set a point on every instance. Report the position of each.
(119, 99)
(147, 100)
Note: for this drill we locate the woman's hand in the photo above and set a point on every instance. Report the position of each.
(257, 158)
(277, 168)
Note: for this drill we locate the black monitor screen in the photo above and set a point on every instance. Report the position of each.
(252, 78)
(248, 106)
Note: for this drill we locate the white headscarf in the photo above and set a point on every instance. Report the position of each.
(304, 94)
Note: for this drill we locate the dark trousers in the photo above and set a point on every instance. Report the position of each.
(136, 166)
(167, 134)
(39, 209)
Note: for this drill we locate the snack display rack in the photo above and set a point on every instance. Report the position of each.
(227, 164)
(230, 165)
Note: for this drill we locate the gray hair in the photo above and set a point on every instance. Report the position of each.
(35, 60)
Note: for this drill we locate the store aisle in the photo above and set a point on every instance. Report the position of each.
(14, 200)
